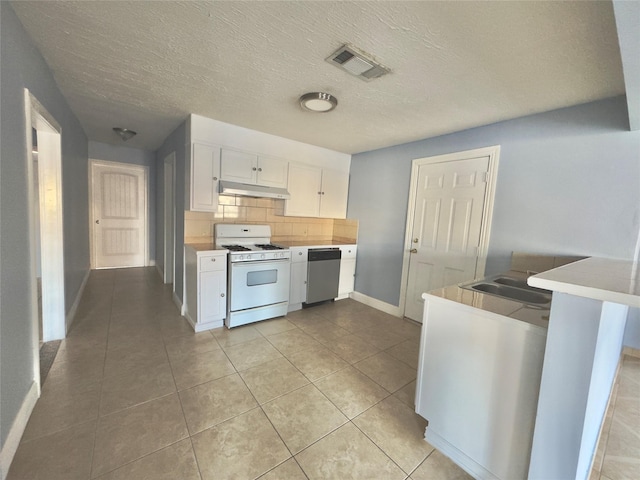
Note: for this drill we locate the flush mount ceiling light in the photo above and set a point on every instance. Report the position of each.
(124, 133)
(318, 102)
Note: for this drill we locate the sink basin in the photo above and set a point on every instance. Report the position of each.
(512, 288)
(518, 283)
(511, 293)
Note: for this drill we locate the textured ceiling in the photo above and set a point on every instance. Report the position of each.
(455, 65)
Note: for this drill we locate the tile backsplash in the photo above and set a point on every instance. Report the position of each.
(269, 211)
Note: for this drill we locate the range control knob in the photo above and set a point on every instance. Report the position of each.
(262, 255)
(248, 257)
(241, 257)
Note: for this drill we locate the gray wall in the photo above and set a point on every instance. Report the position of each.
(22, 66)
(568, 183)
(134, 156)
(174, 143)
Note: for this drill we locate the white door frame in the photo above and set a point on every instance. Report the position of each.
(92, 214)
(51, 224)
(169, 218)
(493, 153)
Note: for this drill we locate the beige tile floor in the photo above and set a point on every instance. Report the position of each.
(133, 393)
(323, 393)
(618, 453)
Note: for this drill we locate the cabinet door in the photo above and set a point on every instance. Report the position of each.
(347, 276)
(272, 172)
(298, 285)
(213, 296)
(239, 166)
(205, 172)
(335, 190)
(304, 186)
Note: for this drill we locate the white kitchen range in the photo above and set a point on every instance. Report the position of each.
(258, 273)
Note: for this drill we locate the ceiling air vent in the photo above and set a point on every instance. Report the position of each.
(357, 63)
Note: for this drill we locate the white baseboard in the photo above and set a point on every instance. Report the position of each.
(17, 429)
(458, 457)
(160, 271)
(377, 304)
(71, 315)
(179, 304)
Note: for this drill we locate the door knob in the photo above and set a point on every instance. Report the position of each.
(98, 222)
(413, 250)
(222, 294)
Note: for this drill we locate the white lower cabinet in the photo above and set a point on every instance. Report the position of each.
(347, 270)
(205, 288)
(298, 281)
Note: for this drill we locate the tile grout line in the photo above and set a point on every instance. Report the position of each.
(104, 364)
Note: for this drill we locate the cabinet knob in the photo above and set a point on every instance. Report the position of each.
(213, 259)
(215, 179)
(259, 169)
(254, 169)
(322, 193)
(413, 250)
(415, 240)
(222, 294)
(299, 253)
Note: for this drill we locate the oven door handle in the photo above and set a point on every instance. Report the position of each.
(264, 262)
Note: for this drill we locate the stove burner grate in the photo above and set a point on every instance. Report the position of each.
(268, 246)
(236, 248)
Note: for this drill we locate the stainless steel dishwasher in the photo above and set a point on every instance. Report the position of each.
(323, 274)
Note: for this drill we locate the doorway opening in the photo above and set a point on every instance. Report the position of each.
(44, 170)
(169, 217)
(448, 223)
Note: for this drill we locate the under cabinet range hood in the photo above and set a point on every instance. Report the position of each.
(246, 190)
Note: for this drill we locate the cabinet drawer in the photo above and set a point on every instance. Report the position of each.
(298, 254)
(209, 264)
(348, 251)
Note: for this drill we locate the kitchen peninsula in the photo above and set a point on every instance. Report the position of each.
(590, 305)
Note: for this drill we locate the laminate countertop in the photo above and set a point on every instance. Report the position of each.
(498, 305)
(603, 279)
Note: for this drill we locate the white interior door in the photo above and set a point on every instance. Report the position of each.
(119, 193)
(445, 233)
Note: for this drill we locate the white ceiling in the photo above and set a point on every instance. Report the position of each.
(455, 65)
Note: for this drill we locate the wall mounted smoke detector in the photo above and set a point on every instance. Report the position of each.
(356, 62)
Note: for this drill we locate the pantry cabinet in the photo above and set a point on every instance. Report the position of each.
(254, 169)
(316, 192)
(205, 175)
(205, 287)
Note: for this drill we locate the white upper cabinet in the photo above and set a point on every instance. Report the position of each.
(334, 196)
(205, 175)
(245, 167)
(238, 166)
(305, 187)
(272, 171)
(316, 192)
